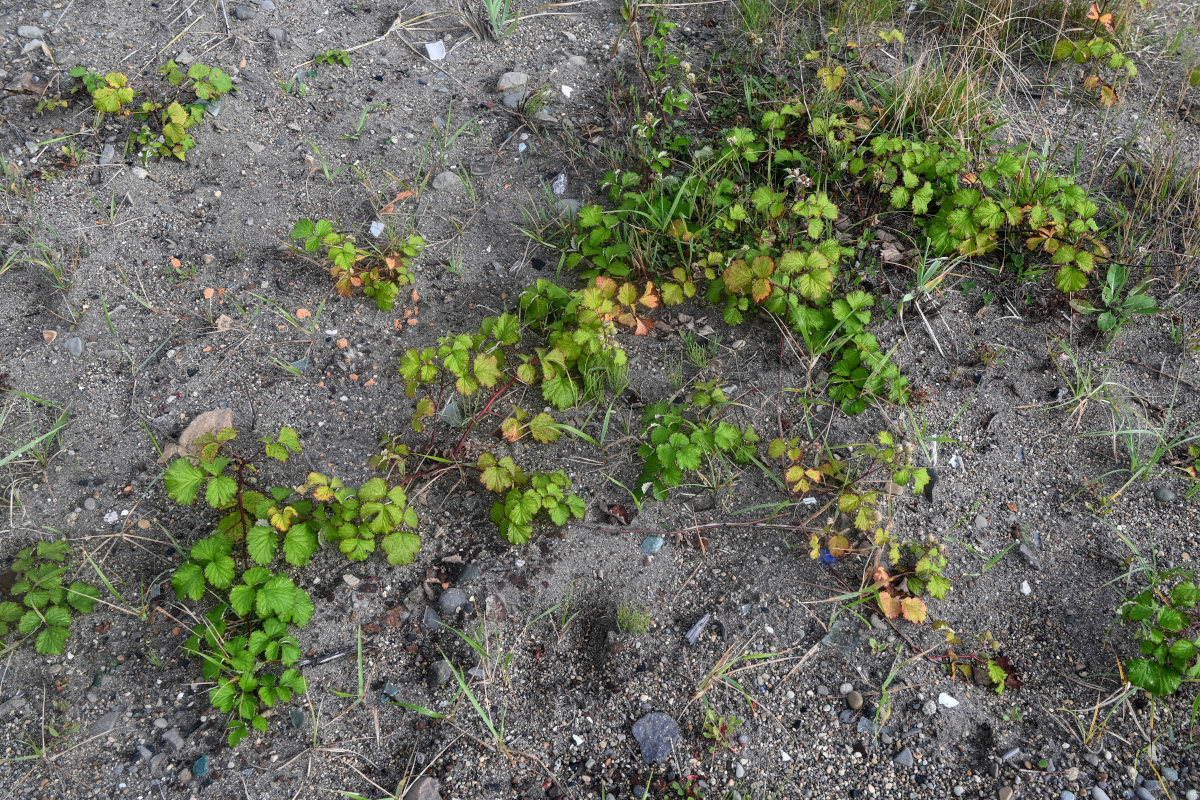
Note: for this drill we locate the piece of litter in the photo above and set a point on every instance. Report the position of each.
(946, 700)
(809, 501)
(566, 90)
(435, 50)
(559, 185)
(693, 634)
(652, 544)
(1025, 588)
(521, 147)
(377, 228)
(955, 461)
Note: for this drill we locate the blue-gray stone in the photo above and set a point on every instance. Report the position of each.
(300, 364)
(452, 600)
(431, 619)
(904, 758)
(652, 544)
(200, 768)
(296, 717)
(656, 733)
(1099, 794)
(1066, 795)
(1170, 774)
(74, 346)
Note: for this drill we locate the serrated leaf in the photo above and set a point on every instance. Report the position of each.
(1152, 676)
(299, 544)
(938, 586)
(30, 622)
(401, 547)
(914, 609)
(51, 641)
(188, 581)
(220, 490)
(543, 428)
(261, 543)
(275, 596)
(182, 480)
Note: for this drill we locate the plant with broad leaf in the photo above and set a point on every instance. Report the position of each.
(41, 601)
(684, 440)
(525, 496)
(247, 637)
(1166, 618)
(380, 276)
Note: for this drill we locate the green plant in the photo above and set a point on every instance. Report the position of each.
(1101, 52)
(1120, 306)
(165, 123)
(679, 439)
(245, 642)
(378, 275)
(501, 18)
(633, 620)
(110, 93)
(1165, 615)
(333, 57)
(46, 601)
(718, 728)
(525, 496)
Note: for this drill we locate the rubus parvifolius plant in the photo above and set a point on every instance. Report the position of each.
(1166, 620)
(1100, 52)
(380, 275)
(857, 491)
(526, 496)
(1008, 202)
(246, 642)
(686, 439)
(41, 601)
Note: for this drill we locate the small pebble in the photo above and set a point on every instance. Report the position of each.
(854, 700)
(74, 346)
(90, 504)
(1164, 495)
(1005, 793)
(904, 758)
(846, 688)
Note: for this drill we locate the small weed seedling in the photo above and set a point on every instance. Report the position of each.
(333, 57)
(633, 620)
(1120, 306)
(46, 602)
(379, 275)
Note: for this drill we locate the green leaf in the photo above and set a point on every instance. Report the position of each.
(30, 622)
(487, 370)
(1182, 650)
(82, 597)
(275, 596)
(241, 599)
(182, 480)
(1070, 279)
(58, 616)
(9, 611)
(299, 543)
(921, 199)
(51, 641)
(261, 543)
(1152, 676)
(1170, 619)
(727, 436)
(188, 581)
(1184, 595)
(219, 573)
(938, 586)
(401, 547)
(221, 491)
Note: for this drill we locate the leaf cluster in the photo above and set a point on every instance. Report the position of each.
(379, 275)
(42, 603)
(678, 439)
(526, 496)
(1166, 622)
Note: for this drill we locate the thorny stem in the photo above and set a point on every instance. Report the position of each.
(482, 413)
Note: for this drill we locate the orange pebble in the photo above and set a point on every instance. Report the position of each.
(303, 313)
(176, 263)
(343, 344)
(208, 293)
(353, 376)
(370, 382)
(415, 297)
(413, 321)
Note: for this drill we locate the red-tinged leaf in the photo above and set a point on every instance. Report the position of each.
(649, 298)
(644, 326)
(1108, 96)
(913, 609)
(1013, 681)
(344, 287)
(627, 319)
(606, 285)
(760, 289)
(890, 606)
(511, 429)
(880, 576)
(1091, 81)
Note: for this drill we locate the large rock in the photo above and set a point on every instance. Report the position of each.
(511, 80)
(424, 788)
(657, 733)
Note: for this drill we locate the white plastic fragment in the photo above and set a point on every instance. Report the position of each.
(946, 700)
(436, 50)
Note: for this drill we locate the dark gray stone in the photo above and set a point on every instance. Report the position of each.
(656, 733)
(424, 788)
(74, 346)
(904, 758)
(470, 573)
(243, 13)
(452, 600)
(1164, 495)
(440, 673)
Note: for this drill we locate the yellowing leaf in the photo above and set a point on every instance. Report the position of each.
(913, 609)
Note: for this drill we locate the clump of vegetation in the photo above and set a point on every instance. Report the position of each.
(245, 642)
(165, 121)
(43, 603)
(1165, 615)
(380, 275)
(633, 620)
